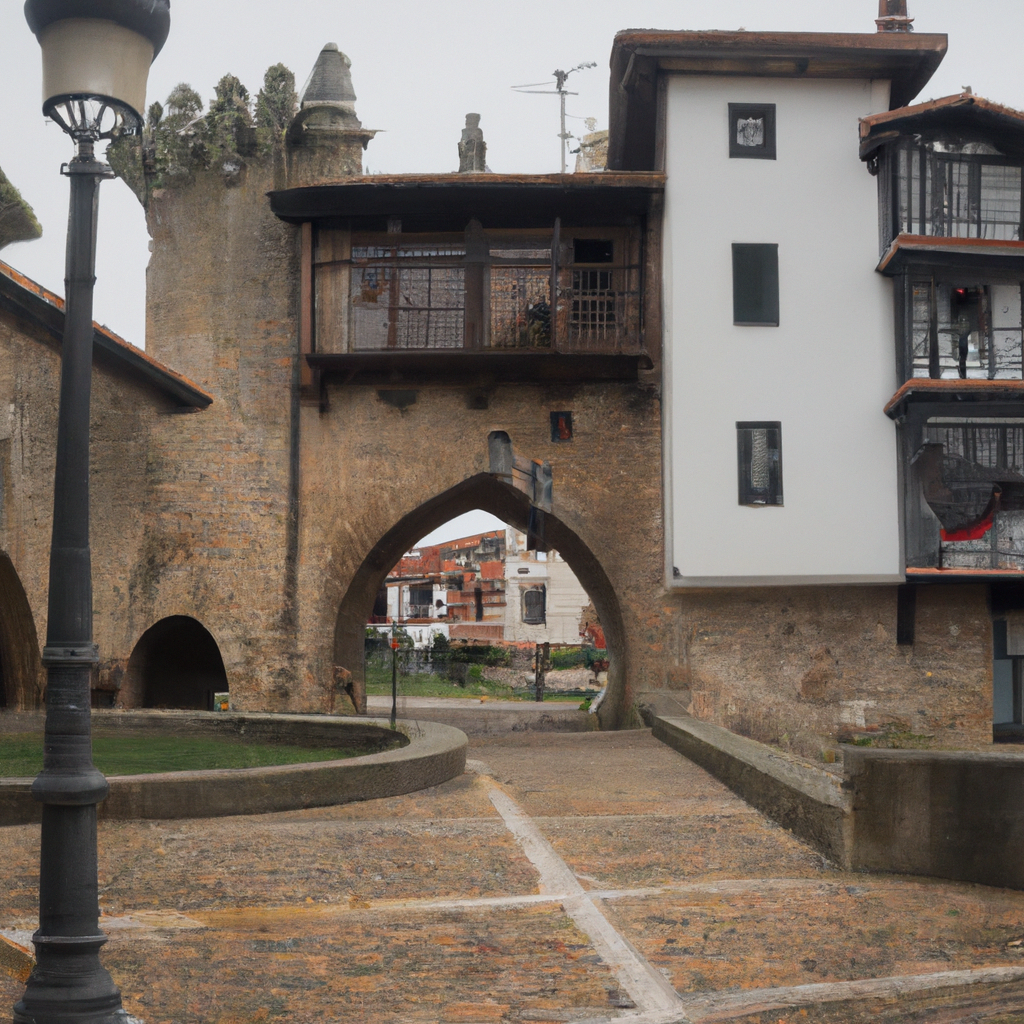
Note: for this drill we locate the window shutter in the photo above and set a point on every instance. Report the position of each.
(755, 285)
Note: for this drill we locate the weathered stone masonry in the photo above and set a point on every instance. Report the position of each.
(271, 516)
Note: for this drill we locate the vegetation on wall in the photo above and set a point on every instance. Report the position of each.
(17, 221)
(179, 139)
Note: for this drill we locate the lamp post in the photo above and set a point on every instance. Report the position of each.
(96, 58)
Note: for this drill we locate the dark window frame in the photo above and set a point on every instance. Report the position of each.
(745, 111)
(755, 284)
(749, 494)
(530, 618)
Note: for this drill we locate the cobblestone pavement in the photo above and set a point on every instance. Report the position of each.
(565, 877)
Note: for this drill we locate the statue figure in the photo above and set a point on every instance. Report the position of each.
(472, 148)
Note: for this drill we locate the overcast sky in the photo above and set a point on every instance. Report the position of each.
(418, 68)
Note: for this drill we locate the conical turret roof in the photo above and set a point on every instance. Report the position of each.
(330, 83)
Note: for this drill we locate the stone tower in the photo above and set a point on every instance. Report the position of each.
(326, 140)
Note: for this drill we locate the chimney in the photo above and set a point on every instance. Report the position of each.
(892, 16)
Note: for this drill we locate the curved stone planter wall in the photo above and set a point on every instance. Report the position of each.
(434, 754)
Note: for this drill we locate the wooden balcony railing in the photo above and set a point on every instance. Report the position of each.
(477, 292)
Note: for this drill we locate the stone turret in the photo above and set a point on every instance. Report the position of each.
(326, 140)
(472, 148)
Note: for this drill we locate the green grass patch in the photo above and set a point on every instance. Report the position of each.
(423, 684)
(21, 754)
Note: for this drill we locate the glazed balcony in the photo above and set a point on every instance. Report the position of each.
(511, 293)
(478, 277)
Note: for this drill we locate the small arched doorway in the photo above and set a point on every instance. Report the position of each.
(487, 492)
(21, 672)
(177, 664)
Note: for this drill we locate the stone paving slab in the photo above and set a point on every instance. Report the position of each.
(621, 851)
(539, 887)
(773, 934)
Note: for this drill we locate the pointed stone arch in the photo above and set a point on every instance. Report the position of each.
(21, 688)
(488, 492)
(176, 664)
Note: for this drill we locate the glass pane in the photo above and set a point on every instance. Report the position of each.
(1000, 202)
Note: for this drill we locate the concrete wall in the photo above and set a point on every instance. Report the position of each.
(953, 815)
(825, 373)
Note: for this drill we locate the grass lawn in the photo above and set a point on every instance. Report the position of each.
(21, 754)
(422, 684)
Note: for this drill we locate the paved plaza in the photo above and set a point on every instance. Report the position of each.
(564, 877)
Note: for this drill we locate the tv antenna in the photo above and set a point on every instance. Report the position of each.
(560, 91)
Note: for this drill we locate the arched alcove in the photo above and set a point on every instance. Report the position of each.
(177, 664)
(487, 492)
(20, 665)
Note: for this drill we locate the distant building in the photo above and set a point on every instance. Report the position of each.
(486, 587)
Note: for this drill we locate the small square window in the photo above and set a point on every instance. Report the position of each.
(752, 131)
(755, 285)
(759, 447)
(561, 427)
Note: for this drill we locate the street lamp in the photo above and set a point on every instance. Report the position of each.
(96, 58)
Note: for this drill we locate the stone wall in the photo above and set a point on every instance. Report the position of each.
(272, 519)
(222, 310)
(794, 666)
(123, 415)
(376, 479)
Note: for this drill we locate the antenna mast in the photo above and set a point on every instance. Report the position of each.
(560, 91)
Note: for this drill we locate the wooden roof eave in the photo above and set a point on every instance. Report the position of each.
(453, 199)
(963, 393)
(991, 255)
(638, 57)
(31, 302)
(961, 115)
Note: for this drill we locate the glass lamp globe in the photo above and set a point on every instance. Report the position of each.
(96, 58)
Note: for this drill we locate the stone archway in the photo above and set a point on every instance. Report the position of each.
(177, 664)
(483, 491)
(21, 686)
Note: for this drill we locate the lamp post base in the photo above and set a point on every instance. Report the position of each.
(69, 984)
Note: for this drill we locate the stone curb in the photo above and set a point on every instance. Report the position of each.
(810, 802)
(944, 814)
(498, 718)
(435, 753)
